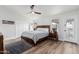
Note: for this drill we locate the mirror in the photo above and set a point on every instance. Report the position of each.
(54, 25)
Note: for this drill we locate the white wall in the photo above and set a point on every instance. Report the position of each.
(44, 20)
(63, 17)
(21, 22)
(15, 30)
(21, 26)
(7, 30)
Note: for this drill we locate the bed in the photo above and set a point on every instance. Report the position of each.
(34, 37)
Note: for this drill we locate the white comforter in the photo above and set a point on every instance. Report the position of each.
(35, 35)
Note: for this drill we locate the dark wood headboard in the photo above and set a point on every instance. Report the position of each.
(44, 26)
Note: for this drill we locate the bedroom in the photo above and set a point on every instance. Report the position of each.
(23, 17)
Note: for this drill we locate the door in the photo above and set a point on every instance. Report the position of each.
(70, 30)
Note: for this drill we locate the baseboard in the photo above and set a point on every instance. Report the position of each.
(11, 38)
(69, 41)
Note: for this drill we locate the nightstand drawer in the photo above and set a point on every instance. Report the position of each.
(53, 36)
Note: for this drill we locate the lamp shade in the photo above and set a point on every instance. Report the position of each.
(54, 25)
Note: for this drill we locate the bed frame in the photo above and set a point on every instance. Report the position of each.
(30, 41)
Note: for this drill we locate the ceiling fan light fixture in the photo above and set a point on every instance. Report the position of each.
(32, 12)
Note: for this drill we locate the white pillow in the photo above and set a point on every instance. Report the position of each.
(43, 29)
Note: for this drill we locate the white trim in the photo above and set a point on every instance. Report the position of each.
(10, 38)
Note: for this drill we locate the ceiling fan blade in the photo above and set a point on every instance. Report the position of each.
(37, 12)
(32, 7)
(32, 11)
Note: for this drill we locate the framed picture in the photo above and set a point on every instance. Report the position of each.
(7, 22)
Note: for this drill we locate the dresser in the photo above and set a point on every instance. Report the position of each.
(1, 44)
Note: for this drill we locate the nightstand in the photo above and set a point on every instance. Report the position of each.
(53, 36)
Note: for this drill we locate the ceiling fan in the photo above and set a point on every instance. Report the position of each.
(32, 10)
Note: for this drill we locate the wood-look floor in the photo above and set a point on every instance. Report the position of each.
(53, 47)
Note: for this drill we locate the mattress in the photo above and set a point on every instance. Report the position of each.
(35, 35)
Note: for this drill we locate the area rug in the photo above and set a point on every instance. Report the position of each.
(17, 47)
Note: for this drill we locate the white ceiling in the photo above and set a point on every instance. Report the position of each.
(45, 9)
(56, 9)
